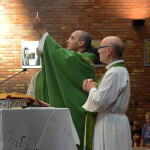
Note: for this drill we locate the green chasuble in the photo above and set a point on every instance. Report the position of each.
(91, 117)
(60, 81)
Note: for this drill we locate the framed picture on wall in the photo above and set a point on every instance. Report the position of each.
(30, 56)
(146, 52)
(96, 43)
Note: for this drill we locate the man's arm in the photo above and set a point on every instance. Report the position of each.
(39, 26)
(141, 143)
(31, 87)
(41, 42)
(113, 83)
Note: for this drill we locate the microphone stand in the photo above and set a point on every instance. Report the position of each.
(131, 121)
(14, 75)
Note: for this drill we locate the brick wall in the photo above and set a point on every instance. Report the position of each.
(100, 18)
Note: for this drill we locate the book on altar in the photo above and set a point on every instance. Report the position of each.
(14, 99)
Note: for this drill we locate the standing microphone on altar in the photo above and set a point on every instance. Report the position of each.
(14, 75)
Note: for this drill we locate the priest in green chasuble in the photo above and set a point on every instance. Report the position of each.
(59, 83)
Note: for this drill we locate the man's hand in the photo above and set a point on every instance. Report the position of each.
(39, 26)
(88, 84)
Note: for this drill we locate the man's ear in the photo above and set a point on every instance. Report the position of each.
(81, 43)
(109, 51)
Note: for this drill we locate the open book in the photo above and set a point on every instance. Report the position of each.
(30, 100)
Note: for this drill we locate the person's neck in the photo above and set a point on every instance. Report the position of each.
(80, 50)
(113, 59)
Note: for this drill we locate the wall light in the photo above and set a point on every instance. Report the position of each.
(138, 22)
(1, 11)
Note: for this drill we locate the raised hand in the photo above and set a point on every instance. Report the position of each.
(39, 26)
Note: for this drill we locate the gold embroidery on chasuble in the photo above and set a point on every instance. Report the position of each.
(89, 61)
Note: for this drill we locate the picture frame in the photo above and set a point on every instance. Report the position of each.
(97, 63)
(30, 55)
(146, 52)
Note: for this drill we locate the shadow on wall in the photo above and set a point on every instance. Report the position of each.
(141, 29)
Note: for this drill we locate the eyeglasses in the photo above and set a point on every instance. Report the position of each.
(102, 47)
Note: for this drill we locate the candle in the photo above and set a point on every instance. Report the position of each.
(37, 15)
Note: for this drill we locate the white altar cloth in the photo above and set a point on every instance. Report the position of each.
(37, 129)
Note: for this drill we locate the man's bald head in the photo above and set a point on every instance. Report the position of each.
(115, 43)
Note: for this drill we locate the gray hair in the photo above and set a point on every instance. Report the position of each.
(118, 48)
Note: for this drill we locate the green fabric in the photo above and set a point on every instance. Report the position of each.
(91, 117)
(62, 75)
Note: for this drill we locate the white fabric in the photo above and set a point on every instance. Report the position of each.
(38, 128)
(1, 137)
(31, 87)
(112, 131)
(41, 42)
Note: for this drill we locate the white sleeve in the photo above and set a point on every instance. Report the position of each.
(111, 86)
(31, 87)
(87, 105)
(41, 42)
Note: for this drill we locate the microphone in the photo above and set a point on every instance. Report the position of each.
(14, 75)
(25, 69)
(135, 102)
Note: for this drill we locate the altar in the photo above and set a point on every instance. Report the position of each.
(42, 128)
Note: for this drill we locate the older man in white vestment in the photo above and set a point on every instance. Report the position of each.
(110, 100)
